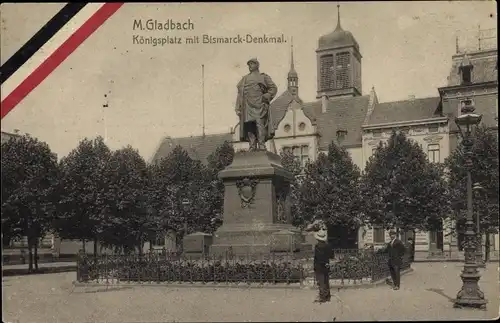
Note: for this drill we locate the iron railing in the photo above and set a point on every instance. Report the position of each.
(273, 268)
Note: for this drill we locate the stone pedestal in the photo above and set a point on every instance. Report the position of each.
(257, 217)
(197, 243)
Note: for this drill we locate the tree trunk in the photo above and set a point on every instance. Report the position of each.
(95, 247)
(36, 254)
(83, 245)
(30, 255)
(141, 244)
(487, 248)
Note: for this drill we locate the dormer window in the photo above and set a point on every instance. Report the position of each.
(465, 70)
(341, 134)
(466, 76)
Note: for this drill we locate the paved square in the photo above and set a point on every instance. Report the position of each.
(425, 295)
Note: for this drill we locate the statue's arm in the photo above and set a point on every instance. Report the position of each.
(239, 97)
(272, 89)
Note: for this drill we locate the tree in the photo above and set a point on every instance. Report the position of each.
(29, 178)
(485, 172)
(127, 224)
(401, 189)
(291, 164)
(177, 178)
(329, 189)
(213, 193)
(83, 189)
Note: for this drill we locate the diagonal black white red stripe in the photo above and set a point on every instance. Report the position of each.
(49, 48)
(45, 33)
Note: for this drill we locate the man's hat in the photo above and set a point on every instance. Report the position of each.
(254, 60)
(392, 232)
(321, 235)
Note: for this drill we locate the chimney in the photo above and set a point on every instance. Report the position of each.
(324, 102)
(411, 97)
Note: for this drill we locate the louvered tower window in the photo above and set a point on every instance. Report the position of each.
(326, 71)
(343, 64)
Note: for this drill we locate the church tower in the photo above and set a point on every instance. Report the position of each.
(293, 78)
(339, 64)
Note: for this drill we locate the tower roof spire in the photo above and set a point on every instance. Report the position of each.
(292, 72)
(338, 18)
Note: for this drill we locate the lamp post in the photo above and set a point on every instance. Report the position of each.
(185, 207)
(478, 189)
(470, 295)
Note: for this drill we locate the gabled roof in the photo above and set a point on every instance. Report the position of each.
(405, 110)
(197, 147)
(347, 113)
(280, 105)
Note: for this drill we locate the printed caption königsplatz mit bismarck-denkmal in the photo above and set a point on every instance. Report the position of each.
(170, 26)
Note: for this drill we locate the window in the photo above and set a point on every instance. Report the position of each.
(407, 234)
(341, 134)
(302, 126)
(342, 62)
(301, 153)
(159, 240)
(287, 128)
(326, 72)
(433, 128)
(374, 149)
(378, 235)
(433, 153)
(466, 74)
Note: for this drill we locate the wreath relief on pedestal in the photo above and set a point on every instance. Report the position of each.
(246, 190)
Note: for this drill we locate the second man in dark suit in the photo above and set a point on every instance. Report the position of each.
(395, 250)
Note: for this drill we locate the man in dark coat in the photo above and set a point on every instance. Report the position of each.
(322, 254)
(395, 250)
(256, 90)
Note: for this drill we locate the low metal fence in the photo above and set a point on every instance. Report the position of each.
(172, 268)
(157, 267)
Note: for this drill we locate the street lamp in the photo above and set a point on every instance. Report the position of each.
(470, 295)
(479, 249)
(185, 207)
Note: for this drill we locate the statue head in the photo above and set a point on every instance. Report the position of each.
(253, 64)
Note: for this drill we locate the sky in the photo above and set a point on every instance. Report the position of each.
(153, 92)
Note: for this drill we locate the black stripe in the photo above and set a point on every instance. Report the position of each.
(39, 39)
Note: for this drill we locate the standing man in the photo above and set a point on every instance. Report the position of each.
(322, 253)
(395, 250)
(256, 90)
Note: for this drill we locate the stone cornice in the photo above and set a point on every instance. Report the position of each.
(476, 89)
(405, 123)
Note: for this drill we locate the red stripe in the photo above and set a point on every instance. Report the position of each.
(54, 60)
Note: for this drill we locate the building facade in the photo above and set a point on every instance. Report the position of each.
(359, 122)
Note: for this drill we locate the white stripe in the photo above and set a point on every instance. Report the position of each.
(48, 48)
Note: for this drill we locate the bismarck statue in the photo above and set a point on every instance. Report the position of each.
(256, 90)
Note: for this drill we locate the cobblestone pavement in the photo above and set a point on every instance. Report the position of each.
(425, 295)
